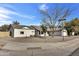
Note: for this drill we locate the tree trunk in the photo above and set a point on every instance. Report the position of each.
(53, 33)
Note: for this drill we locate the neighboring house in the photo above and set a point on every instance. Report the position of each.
(57, 32)
(21, 31)
(38, 31)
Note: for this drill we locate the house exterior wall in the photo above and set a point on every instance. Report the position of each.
(37, 33)
(44, 34)
(73, 33)
(27, 33)
(57, 33)
(64, 32)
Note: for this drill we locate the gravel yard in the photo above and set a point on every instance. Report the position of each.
(43, 39)
(38, 46)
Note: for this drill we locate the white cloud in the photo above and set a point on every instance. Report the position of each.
(5, 21)
(5, 17)
(43, 7)
(27, 16)
(7, 11)
(2, 22)
(34, 24)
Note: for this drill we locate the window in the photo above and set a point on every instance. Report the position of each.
(21, 32)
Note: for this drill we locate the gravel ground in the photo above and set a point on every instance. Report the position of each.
(19, 46)
(43, 39)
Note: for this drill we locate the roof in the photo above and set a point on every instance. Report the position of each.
(48, 29)
(17, 26)
(20, 27)
(36, 27)
(33, 27)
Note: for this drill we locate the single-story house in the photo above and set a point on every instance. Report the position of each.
(21, 31)
(38, 31)
(57, 32)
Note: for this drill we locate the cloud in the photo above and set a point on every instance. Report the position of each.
(5, 21)
(5, 15)
(27, 16)
(38, 24)
(7, 11)
(43, 7)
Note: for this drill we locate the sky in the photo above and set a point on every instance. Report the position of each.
(28, 13)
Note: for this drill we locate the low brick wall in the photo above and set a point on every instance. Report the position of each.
(4, 34)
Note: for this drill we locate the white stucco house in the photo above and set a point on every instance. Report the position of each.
(21, 31)
(57, 32)
(38, 31)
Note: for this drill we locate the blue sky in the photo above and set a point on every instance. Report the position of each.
(28, 13)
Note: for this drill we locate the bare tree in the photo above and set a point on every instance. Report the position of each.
(44, 26)
(51, 17)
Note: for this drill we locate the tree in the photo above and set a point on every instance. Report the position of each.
(5, 27)
(75, 22)
(43, 26)
(73, 25)
(16, 23)
(68, 28)
(51, 17)
(44, 29)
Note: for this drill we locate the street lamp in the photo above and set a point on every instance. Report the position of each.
(62, 20)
